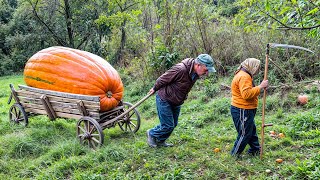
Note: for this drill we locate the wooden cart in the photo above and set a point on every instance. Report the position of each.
(91, 122)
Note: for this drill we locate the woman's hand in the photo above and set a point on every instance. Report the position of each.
(264, 84)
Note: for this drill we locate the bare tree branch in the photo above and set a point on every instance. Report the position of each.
(290, 27)
(86, 37)
(119, 5)
(299, 28)
(57, 38)
(311, 2)
(130, 5)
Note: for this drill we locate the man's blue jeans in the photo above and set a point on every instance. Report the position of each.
(168, 115)
(243, 120)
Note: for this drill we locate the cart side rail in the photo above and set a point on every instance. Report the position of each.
(61, 94)
(58, 104)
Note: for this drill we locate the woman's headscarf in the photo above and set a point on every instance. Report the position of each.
(251, 65)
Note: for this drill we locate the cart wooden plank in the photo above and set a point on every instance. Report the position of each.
(61, 94)
(58, 110)
(66, 105)
(59, 114)
(24, 93)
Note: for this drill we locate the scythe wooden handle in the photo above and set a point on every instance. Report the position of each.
(264, 101)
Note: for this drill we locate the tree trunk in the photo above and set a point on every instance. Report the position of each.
(68, 17)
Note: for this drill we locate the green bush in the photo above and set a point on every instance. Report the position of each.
(308, 169)
(303, 122)
(211, 88)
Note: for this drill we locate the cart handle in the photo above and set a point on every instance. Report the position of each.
(126, 112)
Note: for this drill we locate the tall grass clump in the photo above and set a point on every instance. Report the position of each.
(307, 169)
(303, 122)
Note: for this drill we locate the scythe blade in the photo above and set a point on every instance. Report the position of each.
(274, 45)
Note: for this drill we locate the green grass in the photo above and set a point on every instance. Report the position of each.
(50, 150)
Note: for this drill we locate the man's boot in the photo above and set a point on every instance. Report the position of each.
(164, 144)
(150, 140)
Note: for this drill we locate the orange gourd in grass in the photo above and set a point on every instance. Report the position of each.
(303, 99)
(74, 71)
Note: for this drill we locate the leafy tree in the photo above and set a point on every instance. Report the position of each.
(69, 23)
(178, 29)
(283, 15)
(19, 38)
(7, 8)
(120, 12)
(31, 25)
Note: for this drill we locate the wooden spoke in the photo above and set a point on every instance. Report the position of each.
(95, 135)
(80, 135)
(19, 114)
(81, 129)
(129, 126)
(133, 124)
(93, 145)
(94, 139)
(129, 116)
(133, 119)
(92, 129)
(13, 116)
(87, 125)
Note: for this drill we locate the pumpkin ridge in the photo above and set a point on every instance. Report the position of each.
(102, 80)
(96, 59)
(75, 60)
(64, 69)
(83, 87)
(102, 72)
(88, 56)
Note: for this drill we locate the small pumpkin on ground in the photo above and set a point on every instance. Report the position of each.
(74, 71)
(302, 99)
(216, 150)
(279, 160)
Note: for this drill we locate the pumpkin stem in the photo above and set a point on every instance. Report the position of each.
(109, 94)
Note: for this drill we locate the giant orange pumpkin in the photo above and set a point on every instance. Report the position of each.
(74, 71)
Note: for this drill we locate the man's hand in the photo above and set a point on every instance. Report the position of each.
(151, 91)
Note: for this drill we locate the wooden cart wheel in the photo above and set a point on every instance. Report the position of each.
(131, 121)
(89, 132)
(18, 115)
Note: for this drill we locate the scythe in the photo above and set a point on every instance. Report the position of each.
(271, 45)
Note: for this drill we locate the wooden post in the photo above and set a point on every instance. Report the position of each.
(48, 108)
(82, 109)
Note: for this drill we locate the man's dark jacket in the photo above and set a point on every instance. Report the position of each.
(175, 84)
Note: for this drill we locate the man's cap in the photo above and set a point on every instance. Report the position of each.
(207, 60)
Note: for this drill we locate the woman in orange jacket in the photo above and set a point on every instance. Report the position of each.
(244, 106)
